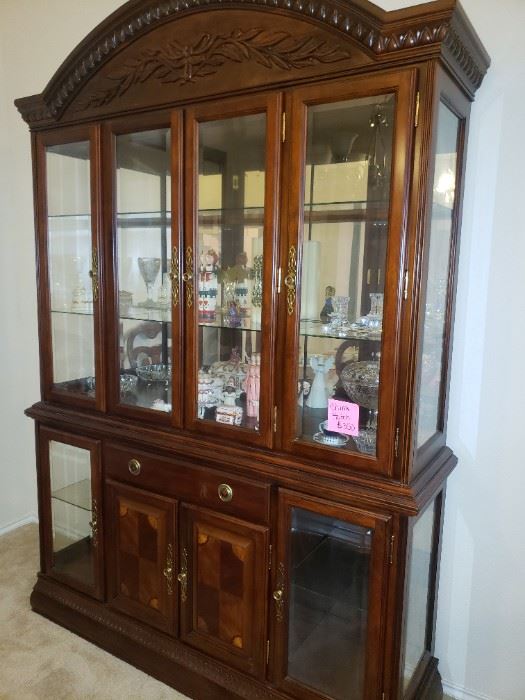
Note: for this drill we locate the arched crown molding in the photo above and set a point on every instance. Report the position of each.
(438, 28)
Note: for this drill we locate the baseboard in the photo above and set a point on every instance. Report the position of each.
(459, 693)
(27, 520)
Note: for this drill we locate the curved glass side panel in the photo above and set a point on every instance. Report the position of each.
(418, 592)
(435, 308)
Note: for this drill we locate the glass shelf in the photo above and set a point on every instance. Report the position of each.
(141, 313)
(320, 212)
(143, 219)
(77, 494)
(73, 312)
(246, 324)
(65, 217)
(313, 329)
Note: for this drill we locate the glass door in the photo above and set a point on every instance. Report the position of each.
(71, 516)
(146, 289)
(327, 599)
(70, 266)
(343, 269)
(232, 154)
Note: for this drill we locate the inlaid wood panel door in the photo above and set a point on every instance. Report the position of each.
(141, 578)
(223, 587)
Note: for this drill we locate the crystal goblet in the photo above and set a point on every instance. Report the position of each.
(149, 269)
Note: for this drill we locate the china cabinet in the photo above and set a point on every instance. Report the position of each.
(247, 221)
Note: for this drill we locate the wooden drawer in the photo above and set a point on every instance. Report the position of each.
(187, 482)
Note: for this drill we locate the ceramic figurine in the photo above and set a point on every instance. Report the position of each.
(318, 396)
(328, 307)
(229, 413)
(253, 386)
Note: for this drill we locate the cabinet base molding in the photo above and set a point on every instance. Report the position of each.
(162, 657)
(166, 659)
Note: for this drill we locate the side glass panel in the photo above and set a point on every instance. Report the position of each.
(329, 567)
(344, 243)
(418, 592)
(71, 512)
(69, 234)
(231, 190)
(441, 227)
(144, 263)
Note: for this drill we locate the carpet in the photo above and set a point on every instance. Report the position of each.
(42, 661)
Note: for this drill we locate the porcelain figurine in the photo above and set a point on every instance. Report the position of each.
(318, 396)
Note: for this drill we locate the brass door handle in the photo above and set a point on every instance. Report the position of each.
(168, 571)
(187, 277)
(93, 273)
(278, 594)
(182, 578)
(134, 467)
(291, 280)
(175, 276)
(94, 522)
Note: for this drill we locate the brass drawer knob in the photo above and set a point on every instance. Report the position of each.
(134, 467)
(225, 493)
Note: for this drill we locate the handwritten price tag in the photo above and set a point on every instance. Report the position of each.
(343, 417)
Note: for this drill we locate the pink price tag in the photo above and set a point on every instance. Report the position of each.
(343, 417)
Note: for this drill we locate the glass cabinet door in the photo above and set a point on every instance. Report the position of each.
(326, 598)
(146, 264)
(71, 516)
(72, 266)
(341, 320)
(228, 267)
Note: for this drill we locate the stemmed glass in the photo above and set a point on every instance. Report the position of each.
(149, 269)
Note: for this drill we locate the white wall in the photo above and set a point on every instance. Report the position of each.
(481, 615)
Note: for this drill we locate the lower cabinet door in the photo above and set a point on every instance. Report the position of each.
(141, 555)
(223, 583)
(329, 592)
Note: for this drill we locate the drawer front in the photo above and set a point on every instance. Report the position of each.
(206, 487)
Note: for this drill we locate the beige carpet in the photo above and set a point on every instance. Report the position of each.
(40, 660)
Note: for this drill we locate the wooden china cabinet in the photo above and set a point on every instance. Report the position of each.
(247, 221)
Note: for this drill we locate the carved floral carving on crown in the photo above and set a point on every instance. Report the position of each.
(362, 26)
(178, 64)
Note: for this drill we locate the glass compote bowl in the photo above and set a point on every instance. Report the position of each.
(361, 383)
(149, 269)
